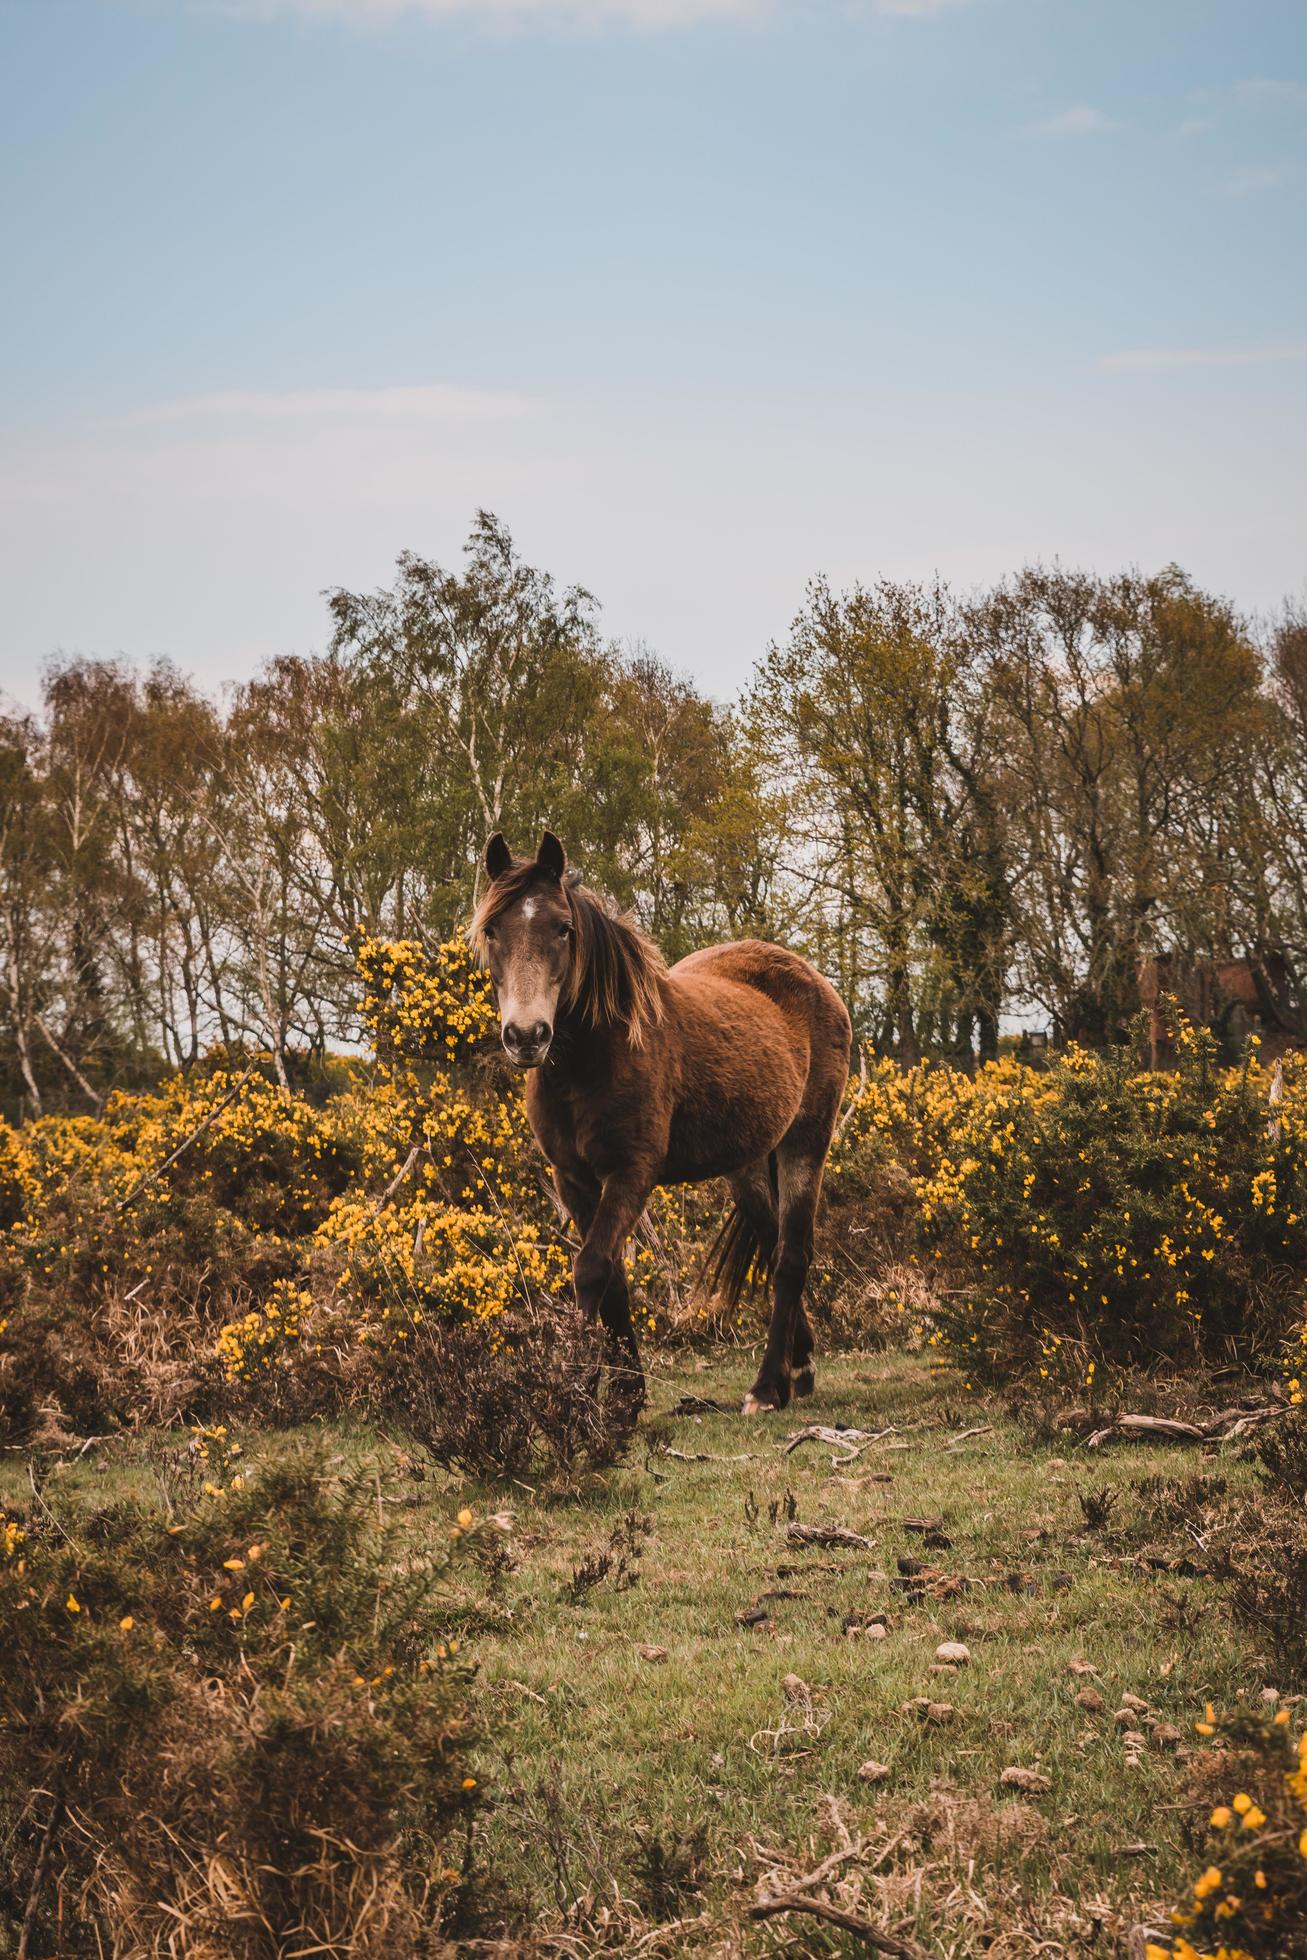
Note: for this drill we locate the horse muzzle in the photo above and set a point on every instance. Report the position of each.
(527, 1047)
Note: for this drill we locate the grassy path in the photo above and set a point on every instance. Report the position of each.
(624, 1771)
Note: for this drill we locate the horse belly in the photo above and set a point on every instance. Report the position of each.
(723, 1126)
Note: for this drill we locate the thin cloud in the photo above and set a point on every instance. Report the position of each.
(1155, 359)
(1265, 89)
(915, 9)
(434, 402)
(576, 13)
(1251, 178)
(1079, 120)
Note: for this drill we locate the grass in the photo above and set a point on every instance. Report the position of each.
(641, 1799)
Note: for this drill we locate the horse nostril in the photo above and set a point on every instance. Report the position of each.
(533, 1037)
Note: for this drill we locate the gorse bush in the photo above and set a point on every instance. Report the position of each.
(223, 1245)
(1094, 1212)
(1250, 1900)
(235, 1730)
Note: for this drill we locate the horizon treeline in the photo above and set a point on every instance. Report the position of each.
(954, 805)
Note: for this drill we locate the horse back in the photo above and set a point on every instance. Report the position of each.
(761, 1037)
(806, 1000)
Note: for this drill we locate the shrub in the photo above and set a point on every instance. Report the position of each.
(1281, 1450)
(1093, 1213)
(1251, 1898)
(236, 1734)
(271, 1160)
(488, 1399)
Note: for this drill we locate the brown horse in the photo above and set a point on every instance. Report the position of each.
(729, 1064)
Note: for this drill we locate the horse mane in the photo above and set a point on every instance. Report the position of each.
(615, 971)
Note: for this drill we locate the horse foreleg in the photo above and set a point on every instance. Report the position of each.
(599, 1273)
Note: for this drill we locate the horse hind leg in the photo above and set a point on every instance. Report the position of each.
(802, 1378)
(755, 1194)
(786, 1368)
(799, 1179)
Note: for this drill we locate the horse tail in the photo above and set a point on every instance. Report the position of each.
(736, 1261)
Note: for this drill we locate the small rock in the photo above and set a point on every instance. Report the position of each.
(1056, 1463)
(1133, 1701)
(651, 1653)
(1082, 1667)
(1090, 1699)
(1124, 1718)
(1033, 1781)
(1133, 1739)
(953, 1652)
(1270, 1696)
(1166, 1735)
(795, 1688)
(929, 1711)
(874, 1772)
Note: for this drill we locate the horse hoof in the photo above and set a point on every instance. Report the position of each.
(804, 1382)
(764, 1404)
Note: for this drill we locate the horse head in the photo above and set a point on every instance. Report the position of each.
(524, 930)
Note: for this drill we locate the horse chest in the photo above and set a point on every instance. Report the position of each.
(595, 1127)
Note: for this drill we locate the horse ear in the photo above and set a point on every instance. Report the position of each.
(498, 855)
(551, 857)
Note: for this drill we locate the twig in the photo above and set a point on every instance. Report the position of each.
(493, 1195)
(39, 1496)
(881, 1942)
(57, 1049)
(186, 1142)
(829, 1534)
(851, 1441)
(852, 1109)
(397, 1180)
(701, 1456)
(1221, 1428)
(48, 1836)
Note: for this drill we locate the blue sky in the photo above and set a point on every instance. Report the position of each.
(702, 296)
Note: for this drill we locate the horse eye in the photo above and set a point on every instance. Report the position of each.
(564, 932)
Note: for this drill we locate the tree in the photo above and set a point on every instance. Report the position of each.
(874, 719)
(501, 674)
(1127, 710)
